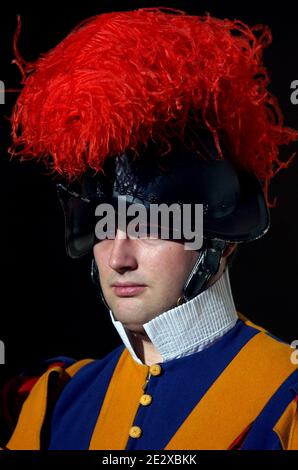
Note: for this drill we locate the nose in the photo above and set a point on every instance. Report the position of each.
(123, 256)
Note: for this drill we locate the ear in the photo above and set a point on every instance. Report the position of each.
(230, 248)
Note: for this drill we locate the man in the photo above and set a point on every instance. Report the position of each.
(165, 108)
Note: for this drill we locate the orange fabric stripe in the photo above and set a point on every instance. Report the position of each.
(27, 432)
(287, 427)
(26, 435)
(120, 405)
(74, 368)
(237, 397)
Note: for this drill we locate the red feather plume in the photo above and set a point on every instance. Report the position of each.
(122, 78)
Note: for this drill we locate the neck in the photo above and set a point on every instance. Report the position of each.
(144, 348)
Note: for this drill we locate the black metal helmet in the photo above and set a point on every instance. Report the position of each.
(234, 206)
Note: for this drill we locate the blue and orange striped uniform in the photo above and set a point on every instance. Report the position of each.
(239, 393)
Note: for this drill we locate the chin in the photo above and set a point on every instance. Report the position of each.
(134, 327)
(132, 317)
(134, 312)
(129, 318)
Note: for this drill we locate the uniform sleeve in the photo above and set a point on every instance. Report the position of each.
(16, 390)
(276, 427)
(286, 427)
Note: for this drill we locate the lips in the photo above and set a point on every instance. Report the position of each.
(128, 290)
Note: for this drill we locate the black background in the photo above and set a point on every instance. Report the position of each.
(48, 305)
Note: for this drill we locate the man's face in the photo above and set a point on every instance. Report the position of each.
(155, 269)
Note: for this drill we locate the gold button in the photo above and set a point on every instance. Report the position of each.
(135, 432)
(146, 400)
(155, 369)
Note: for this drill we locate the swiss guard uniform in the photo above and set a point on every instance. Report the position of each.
(224, 383)
(164, 108)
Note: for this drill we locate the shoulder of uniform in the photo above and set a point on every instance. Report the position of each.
(276, 343)
(17, 389)
(39, 388)
(286, 427)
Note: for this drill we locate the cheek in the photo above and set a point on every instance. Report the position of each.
(166, 265)
(101, 256)
(172, 264)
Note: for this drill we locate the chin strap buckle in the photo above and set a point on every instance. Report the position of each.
(206, 266)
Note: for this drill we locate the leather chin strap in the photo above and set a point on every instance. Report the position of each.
(205, 267)
(96, 281)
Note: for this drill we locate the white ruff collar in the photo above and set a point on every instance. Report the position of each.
(192, 326)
